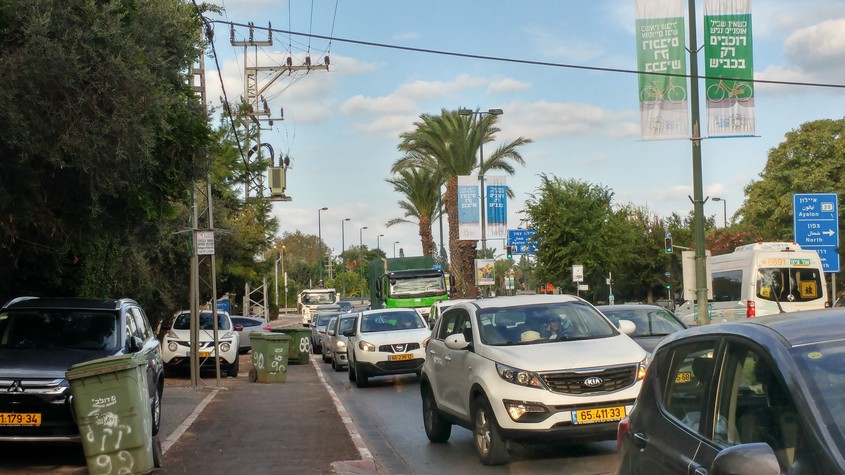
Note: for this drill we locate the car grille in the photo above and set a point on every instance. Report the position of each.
(400, 366)
(48, 397)
(592, 380)
(398, 347)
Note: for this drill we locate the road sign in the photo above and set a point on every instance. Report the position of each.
(816, 223)
(577, 273)
(521, 241)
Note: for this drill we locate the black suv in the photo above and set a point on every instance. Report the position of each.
(41, 338)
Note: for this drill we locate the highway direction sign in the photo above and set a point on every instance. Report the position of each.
(816, 223)
(521, 241)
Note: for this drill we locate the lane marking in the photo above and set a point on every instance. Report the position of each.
(174, 436)
(344, 415)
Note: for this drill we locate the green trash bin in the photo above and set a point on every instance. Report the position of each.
(300, 344)
(112, 409)
(269, 357)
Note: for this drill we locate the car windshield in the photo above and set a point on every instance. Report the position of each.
(183, 322)
(318, 297)
(323, 319)
(389, 321)
(543, 323)
(54, 328)
(823, 368)
(417, 286)
(649, 321)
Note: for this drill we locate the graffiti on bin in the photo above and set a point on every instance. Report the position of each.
(304, 345)
(278, 364)
(112, 433)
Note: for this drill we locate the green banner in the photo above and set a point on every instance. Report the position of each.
(729, 68)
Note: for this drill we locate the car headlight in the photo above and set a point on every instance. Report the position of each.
(172, 346)
(225, 346)
(340, 344)
(366, 346)
(642, 367)
(519, 376)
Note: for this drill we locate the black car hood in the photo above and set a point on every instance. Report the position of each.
(41, 363)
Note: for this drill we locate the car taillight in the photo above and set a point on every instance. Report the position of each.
(268, 328)
(621, 431)
(425, 343)
(750, 310)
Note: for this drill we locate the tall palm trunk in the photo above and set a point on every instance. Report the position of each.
(426, 238)
(461, 253)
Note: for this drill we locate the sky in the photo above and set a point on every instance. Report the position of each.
(341, 127)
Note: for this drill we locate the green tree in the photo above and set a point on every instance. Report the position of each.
(421, 188)
(448, 144)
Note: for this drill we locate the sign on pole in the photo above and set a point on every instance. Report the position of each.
(522, 241)
(816, 222)
(578, 273)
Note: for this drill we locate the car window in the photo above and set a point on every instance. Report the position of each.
(345, 324)
(649, 321)
(142, 323)
(323, 319)
(454, 322)
(823, 367)
(543, 323)
(687, 381)
(132, 329)
(390, 321)
(246, 322)
(84, 330)
(330, 327)
(755, 404)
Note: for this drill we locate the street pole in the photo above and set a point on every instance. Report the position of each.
(320, 240)
(276, 275)
(378, 243)
(342, 250)
(361, 257)
(394, 249)
(285, 277)
(724, 209)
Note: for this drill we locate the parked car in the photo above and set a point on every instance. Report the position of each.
(328, 308)
(334, 349)
(246, 325)
(345, 305)
(318, 331)
(440, 306)
(41, 338)
(528, 368)
(386, 341)
(653, 322)
(176, 346)
(765, 395)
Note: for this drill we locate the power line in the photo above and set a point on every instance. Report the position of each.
(532, 62)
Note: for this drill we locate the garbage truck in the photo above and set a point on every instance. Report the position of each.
(408, 282)
(311, 300)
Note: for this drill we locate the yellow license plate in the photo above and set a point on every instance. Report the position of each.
(20, 419)
(601, 414)
(205, 354)
(402, 357)
(683, 377)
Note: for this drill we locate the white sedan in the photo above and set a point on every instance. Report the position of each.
(385, 342)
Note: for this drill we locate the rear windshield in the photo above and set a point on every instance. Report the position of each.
(246, 322)
(55, 328)
(323, 319)
(183, 322)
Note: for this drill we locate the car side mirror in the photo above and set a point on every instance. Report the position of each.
(627, 327)
(752, 459)
(239, 327)
(457, 342)
(134, 345)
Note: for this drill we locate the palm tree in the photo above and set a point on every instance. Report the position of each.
(421, 187)
(448, 145)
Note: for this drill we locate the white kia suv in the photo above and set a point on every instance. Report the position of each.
(531, 367)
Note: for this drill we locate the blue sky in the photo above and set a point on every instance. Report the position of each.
(341, 127)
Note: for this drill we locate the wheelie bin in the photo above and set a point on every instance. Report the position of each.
(112, 409)
(300, 344)
(269, 357)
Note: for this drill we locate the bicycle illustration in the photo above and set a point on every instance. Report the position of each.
(672, 92)
(719, 91)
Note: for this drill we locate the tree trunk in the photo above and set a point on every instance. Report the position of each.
(426, 238)
(455, 263)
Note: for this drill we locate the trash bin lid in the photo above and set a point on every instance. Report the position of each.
(274, 336)
(109, 364)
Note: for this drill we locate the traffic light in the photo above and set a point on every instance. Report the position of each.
(668, 244)
(510, 252)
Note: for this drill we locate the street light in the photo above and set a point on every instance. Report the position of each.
(724, 207)
(469, 113)
(394, 248)
(378, 244)
(361, 257)
(280, 257)
(320, 239)
(342, 238)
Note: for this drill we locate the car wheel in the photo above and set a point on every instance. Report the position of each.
(361, 378)
(155, 410)
(437, 429)
(158, 455)
(326, 357)
(234, 368)
(351, 372)
(334, 364)
(491, 448)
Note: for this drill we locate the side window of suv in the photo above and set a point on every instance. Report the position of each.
(141, 324)
(452, 322)
(687, 382)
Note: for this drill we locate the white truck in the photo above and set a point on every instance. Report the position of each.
(310, 300)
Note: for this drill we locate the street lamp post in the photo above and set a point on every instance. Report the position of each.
(361, 257)
(480, 114)
(378, 243)
(394, 248)
(724, 209)
(320, 239)
(342, 237)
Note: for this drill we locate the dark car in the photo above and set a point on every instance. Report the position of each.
(345, 305)
(765, 395)
(41, 338)
(653, 322)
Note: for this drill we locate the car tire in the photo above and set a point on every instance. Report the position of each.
(155, 409)
(361, 378)
(491, 448)
(351, 372)
(234, 368)
(326, 357)
(158, 454)
(436, 428)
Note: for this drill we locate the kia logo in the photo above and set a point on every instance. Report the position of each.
(16, 387)
(593, 382)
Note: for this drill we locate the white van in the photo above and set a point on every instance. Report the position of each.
(764, 278)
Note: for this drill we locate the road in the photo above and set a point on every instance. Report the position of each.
(388, 415)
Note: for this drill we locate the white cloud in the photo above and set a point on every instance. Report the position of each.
(391, 104)
(819, 50)
(547, 119)
(507, 85)
(427, 90)
(407, 36)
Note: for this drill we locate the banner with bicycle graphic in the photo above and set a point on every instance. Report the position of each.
(729, 68)
(661, 49)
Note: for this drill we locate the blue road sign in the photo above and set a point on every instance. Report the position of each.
(816, 222)
(521, 241)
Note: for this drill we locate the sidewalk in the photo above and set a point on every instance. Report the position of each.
(240, 427)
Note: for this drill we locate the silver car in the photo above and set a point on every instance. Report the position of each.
(335, 344)
(246, 325)
(318, 331)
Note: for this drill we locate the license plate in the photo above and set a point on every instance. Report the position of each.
(20, 419)
(402, 357)
(205, 354)
(683, 377)
(601, 414)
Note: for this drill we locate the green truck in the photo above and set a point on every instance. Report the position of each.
(407, 282)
